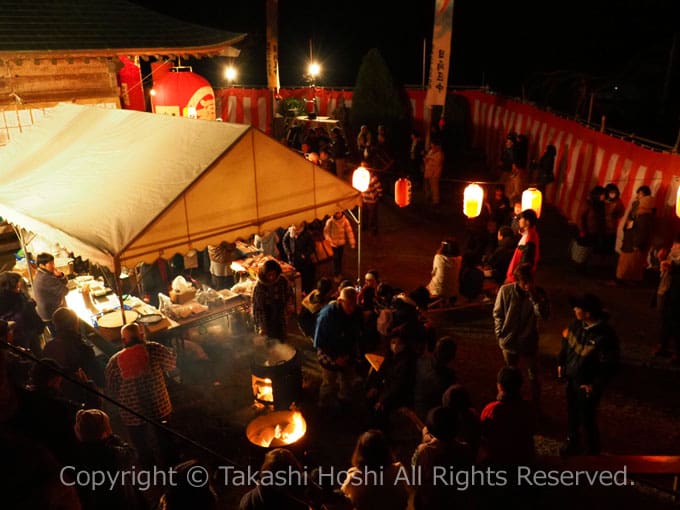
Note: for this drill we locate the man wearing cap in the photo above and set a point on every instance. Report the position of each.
(588, 359)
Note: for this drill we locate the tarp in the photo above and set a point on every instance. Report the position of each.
(122, 187)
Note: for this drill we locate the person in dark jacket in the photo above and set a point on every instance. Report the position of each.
(280, 464)
(69, 349)
(272, 301)
(299, 248)
(99, 449)
(391, 387)
(49, 287)
(587, 361)
(16, 306)
(497, 263)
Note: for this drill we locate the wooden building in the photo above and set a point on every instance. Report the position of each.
(77, 51)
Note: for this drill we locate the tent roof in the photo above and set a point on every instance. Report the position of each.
(118, 185)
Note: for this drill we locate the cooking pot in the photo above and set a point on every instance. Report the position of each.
(149, 319)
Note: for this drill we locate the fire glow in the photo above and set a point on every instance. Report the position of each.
(276, 429)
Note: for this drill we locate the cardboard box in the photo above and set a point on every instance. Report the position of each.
(179, 298)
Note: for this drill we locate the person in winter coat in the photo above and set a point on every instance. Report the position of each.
(587, 361)
(516, 311)
(637, 237)
(16, 306)
(527, 250)
(299, 247)
(434, 166)
(445, 282)
(49, 286)
(338, 232)
(613, 211)
(272, 301)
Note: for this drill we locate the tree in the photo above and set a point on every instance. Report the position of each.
(378, 100)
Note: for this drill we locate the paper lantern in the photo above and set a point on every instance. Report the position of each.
(677, 203)
(361, 178)
(184, 94)
(532, 199)
(402, 192)
(473, 198)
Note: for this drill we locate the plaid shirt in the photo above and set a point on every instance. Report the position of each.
(134, 376)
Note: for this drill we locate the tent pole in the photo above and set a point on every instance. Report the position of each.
(119, 287)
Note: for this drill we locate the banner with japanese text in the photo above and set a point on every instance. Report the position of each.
(273, 46)
(441, 53)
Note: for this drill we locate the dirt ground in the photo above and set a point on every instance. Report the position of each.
(638, 415)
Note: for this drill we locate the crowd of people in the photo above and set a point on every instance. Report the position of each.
(374, 344)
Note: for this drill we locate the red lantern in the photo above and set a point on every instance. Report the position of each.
(402, 192)
(184, 94)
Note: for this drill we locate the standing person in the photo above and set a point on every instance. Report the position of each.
(434, 166)
(364, 142)
(272, 301)
(49, 287)
(516, 311)
(593, 221)
(16, 306)
(440, 447)
(526, 251)
(299, 247)
(338, 232)
(613, 211)
(587, 361)
(100, 450)
(221, 257)
(668, 302)
(70, 350)
(546, 167)
(517, 182)
(497, 263)
(337, 339)
(372, 456)
(135, 376)
(637, 237)
(370, 199)
(338, 151)
(416, 154)
(507, 424)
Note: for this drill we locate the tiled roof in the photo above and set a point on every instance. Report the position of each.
(102, 27)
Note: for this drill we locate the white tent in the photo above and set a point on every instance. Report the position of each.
(120, 187)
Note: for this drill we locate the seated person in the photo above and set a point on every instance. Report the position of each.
(471, 277)
(445, 271)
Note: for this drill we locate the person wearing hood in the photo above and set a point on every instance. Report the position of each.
(272, 300)
(445, 282)
(637, 237)
(587, 361)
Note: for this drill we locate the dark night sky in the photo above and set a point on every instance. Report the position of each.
(618, 49)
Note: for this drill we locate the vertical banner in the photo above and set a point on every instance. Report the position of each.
(273, 46)
(441, 53)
